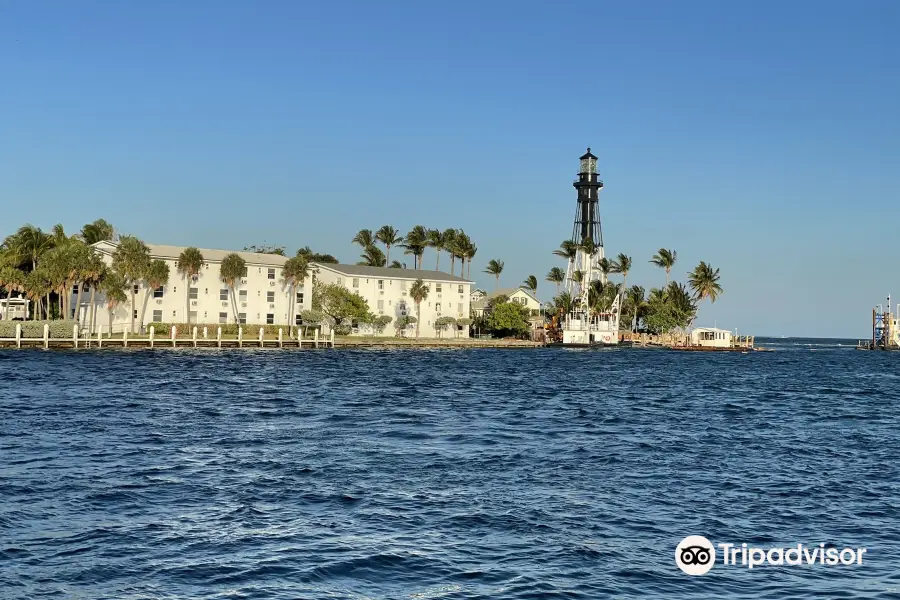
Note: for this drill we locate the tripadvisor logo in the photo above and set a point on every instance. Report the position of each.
(696, 555)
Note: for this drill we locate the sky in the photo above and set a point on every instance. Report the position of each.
(762, 137)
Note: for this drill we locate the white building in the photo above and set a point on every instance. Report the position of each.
(518, 295)
(711, 337)
(263, 297)
(386, 291)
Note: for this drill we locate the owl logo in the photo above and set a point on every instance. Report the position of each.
(695, 555)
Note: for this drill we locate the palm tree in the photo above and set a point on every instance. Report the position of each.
(564, 302)
(98, 231)
(373, 257)
(704, 281)
(11, 280)
(471, 250)
(568, 250)
(131, 260)
(294, 272)
(495, 267)
(557, 276)
(30, 243)
(94, 271)
(364, 238)
(310, 256)
(416, 241)
(418, 292)
(395, 264)
(635, 298)
(435, 239)
(665, 259)
(452, 244)
(232, 269)
(530, 284)
(36, 286)
(113, 287)
(606, 267)
(190, 261)
(388, 236)
(622, 265)
(157, 276)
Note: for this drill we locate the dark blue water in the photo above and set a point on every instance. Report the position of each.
(443, 474)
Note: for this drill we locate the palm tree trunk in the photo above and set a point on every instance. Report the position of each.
(437, 264)
(469, 271)
(452, 263)
(418, 318)
(498, 281)
(78, 304)
(291, 310)
(111, 320)
(234, 305)
(48, 306)
(187, 300)
(388, 258)
(132, 310)
(144, 308)
(91, 311)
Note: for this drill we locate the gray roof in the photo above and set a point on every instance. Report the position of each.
(387, 272)
(209, 255)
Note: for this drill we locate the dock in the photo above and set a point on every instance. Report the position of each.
(201, 338)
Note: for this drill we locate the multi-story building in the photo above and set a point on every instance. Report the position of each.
(386, 290)
(518, 295)
(262, 296)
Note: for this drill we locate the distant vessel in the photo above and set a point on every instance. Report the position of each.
(885, 329)
(582, 326)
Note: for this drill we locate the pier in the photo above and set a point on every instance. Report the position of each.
(200, 337)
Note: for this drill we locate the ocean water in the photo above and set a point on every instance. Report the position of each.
(426, 474)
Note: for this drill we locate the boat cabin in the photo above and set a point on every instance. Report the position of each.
(711, 337)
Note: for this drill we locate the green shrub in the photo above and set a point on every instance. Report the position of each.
(251, 332)
(35, 329)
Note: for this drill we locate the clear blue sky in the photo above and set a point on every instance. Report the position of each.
(763, 137)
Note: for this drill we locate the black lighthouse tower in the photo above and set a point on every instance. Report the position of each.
(587, 215)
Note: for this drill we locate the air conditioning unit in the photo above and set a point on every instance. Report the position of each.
(403, 294)
(271, 306)
(159, 301)
(193, 303)
(243, 280)
(272, 283)
(381, 292)
(402, 313)
(438, 314)
(243, 305)
(380, 312)
(438, 295)
(224, 304)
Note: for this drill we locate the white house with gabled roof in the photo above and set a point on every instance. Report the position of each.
(386, 290)
(518, 295)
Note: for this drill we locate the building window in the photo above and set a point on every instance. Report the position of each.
(300, 298)
(223, 294)
(298, 320)
(136, 288)
(245, 272)
(270, 297)
(135, 315)
(193, 316)
(356, 282)
(193, 293)
(437, 288)
(242, 318)
(437, 307)
(270, 319)
(75, 289)
(223, 317)
(402, 284)
(381, 284)
(381, 305)
(157, 316)
(243, 295)
(271, 273)
(460, 289)
(174, 314)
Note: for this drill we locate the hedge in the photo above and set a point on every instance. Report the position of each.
(35, 329)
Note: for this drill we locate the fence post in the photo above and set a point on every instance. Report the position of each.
(205, 334)
(240, 337)
(152, 334)
(280, 338)
(174, 334)
(99, 336)
(46, 336)
(18, 335)
(195, 336)
(75, 336)
(219, 337)
(316, 337)
(299, 338)
(332, 338)
(124, 337)
(261, 335)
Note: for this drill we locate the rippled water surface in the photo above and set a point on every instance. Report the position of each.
(443, 474)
